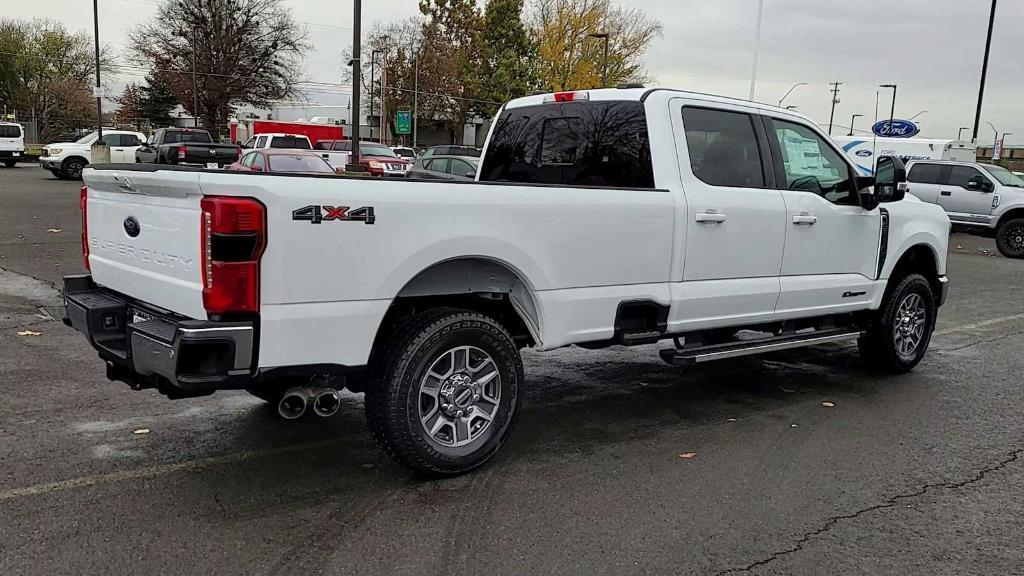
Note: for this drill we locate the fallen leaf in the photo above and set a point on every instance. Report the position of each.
(794, 425)
(688, 455)
(141, 431)
(828, 404)
(29, 333)
(54, 230)
(730, 419)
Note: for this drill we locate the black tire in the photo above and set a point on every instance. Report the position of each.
(58, 174)
(1010, 238)
(880, 344)
(395, 400)
(72, 168)
(10, 163)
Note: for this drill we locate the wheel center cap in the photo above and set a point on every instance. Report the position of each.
(458, 393)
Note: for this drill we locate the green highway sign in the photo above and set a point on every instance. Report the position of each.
(403, 122)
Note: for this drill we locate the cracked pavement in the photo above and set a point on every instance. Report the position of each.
(918, 474)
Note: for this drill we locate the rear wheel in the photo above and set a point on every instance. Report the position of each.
(900, 332)
(1010, 238)
(444, 391)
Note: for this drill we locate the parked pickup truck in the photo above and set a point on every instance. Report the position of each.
(599, 218)
(378, 159)
(979, 198)
(186, 146)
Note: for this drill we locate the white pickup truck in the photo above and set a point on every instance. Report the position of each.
(600, 218)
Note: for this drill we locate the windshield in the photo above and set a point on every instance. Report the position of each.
(86, 139)
(367, 149)
(298, 163)
(1005, 177)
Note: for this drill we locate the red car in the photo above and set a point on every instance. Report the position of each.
(284, 161)
(378, 158)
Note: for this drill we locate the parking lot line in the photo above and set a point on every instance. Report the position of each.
(976, 325)
(155, 471)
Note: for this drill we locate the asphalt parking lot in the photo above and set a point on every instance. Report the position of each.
(920, 474)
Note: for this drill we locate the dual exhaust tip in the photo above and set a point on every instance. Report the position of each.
(325, 402)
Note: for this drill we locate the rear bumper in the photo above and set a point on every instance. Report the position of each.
(178, 357)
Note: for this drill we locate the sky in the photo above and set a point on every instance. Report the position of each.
(932, 49)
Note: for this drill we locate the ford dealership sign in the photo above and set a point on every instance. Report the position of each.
(895, 129)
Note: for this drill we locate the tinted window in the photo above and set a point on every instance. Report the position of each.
(723, 148)
(926, 174)
(571, 143)
(372, 149)
(261, 142)
(130, 140)
(8, 131)
(258, 161)
(321, 145)
(289, 143)
(460, 167)
(178, 136)
(810, 164)
(248, 158)
(112, 139)
(298, 163)
(960, 175)
(439, 165)
(343, 146)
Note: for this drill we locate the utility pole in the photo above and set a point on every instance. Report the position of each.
(356, 63)
(984, 70)
(835, 100)
(99, 98)
(195, 83)
(384, 97)
(852, 120)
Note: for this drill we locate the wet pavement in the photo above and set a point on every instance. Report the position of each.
(918, 474)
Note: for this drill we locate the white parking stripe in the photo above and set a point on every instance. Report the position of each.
(154, 471)
(975, 326)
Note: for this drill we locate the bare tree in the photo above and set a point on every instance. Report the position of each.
(244, 51)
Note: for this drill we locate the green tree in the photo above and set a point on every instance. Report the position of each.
(509, 57)
(157, 100)
(453, 46)
(570, 59)
(246, 52)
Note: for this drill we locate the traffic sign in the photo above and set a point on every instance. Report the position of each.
(403, 122)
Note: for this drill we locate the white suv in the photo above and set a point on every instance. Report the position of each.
(979, 198)
(12, 143)
(68, 159)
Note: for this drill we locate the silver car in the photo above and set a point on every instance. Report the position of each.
(445, 168)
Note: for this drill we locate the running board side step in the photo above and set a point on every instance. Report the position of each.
(698, 355)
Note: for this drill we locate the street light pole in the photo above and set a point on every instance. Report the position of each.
(604, 67)
(892, 111)
(96, 41)
(195, 83)
(757, 48)
(984, 69)
(357, 66)
(783, 99)
(852, 120)
(373, 86)
(416, 103)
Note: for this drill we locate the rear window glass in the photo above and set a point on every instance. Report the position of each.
(926, 174)
(572, 144)
(289, 143)
(190, 136)
(9, 131)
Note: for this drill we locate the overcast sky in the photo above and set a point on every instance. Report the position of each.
(931, 48)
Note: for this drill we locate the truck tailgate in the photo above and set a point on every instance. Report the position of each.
(144, 236)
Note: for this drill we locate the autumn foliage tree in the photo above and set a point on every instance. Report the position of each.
(245, 51)
(571, 59)
(129, 106)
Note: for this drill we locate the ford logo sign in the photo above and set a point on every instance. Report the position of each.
(132, 227)
(895, 129)
(863, 153)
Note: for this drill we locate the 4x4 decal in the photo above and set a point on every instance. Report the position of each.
(319, 214)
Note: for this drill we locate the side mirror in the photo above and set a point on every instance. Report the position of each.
(978, 183)
(890, 183)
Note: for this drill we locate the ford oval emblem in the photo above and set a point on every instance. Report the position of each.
(863, 153)
(895, 129)
(132, 227)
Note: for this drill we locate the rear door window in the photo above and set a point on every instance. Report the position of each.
(926, 173)
(439, 165)
(723, 148)
(602, 144)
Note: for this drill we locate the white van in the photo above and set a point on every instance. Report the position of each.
(864, 149)
(12, 144)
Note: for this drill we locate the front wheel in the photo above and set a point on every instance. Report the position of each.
(10, 163)
(73, 168)
(899, 333)
(1010, 238)
(444, 391)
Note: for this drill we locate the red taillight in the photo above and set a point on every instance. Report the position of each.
(181, 152)
(564, 96)
(567, 97)
(233, 235)
(84, 205)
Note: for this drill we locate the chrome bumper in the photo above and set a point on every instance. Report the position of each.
(149, 350)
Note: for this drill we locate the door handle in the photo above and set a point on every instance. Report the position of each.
(946, 193)
(805, 219)
(711, 217)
